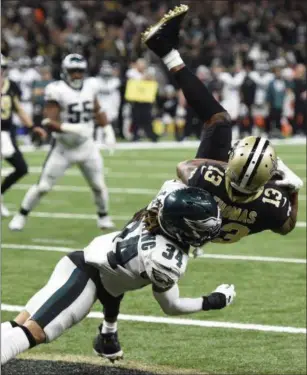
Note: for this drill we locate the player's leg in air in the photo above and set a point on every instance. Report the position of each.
(92, 170)
(163, 40)
(54, 167)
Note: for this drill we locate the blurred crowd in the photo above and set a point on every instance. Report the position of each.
(251, 55)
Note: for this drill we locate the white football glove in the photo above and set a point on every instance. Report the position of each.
(109, 138)
(228, 291)
(289, 179)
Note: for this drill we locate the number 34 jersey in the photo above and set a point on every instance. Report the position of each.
(135, 258)
(77, 107)
(241, 216)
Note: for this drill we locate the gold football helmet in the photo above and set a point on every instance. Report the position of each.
(252, 162)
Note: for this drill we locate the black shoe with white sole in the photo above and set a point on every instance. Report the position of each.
(162, 37)
(107, 345)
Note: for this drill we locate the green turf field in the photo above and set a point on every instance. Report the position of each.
(269, 293)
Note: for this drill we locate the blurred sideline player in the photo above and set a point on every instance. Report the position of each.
(10, 104)
(71, 105)
(24, 74)
(249, 199)
(109, 95)
(152, 249)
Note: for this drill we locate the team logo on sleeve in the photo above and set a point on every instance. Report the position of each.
(210, 225)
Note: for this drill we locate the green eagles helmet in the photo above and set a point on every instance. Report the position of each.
(190, 215)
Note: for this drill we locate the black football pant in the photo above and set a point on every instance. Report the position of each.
(274, 117)
(20, 166)
(216, 136)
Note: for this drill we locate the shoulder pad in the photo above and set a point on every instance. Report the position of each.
(53, 91)
(166, 263)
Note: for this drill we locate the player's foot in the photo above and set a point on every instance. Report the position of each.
(18, 222)
(162, 37)
(105, 222)
(107, 345)
(197, 252)
(4, 211)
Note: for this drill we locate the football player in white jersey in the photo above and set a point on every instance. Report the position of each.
(152, 249)
(70, 108)
(109, 95)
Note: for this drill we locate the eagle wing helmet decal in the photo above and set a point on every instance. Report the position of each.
(210, 225)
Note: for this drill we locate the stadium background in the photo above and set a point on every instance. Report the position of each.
(223, 41)
(264, 331)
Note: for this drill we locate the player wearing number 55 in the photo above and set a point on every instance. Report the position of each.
(71, 105)
(152, 249)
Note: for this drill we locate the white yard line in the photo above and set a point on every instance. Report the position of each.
(174, 145)
(112, 190)
(254, 258)
(53, 241)
(208, 256)
(75, 173)
(67, 215)
(86, 189)
(70, 215)
(184, 322)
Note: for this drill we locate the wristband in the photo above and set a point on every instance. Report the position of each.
(215, 301)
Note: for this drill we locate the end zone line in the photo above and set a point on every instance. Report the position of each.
(184, 322)
(208, 256)
(69, 215)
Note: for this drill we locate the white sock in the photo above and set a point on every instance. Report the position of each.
(12, 344)
(108, 327)
(172, 59)
(5, 327)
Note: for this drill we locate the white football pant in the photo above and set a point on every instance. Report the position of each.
(59, 158)
(64, 301)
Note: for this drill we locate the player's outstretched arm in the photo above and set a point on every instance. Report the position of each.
(172, 304)
(293, 183)
(186, 168)
(290, 223)
(24, 117)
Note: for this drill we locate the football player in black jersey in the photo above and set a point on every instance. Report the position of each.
(10, 94)
(243, 178)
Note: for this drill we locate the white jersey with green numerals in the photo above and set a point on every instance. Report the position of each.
(134, 258)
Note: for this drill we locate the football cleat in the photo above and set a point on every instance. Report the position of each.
(105, 222)
(107, 345)
(162, 37)
(18, 222)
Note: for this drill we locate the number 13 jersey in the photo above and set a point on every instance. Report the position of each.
(241, 216)
(77, 107)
